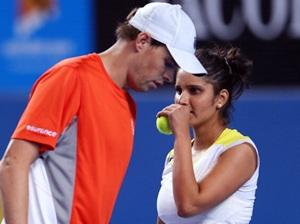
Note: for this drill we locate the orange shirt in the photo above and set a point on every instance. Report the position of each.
(85, 125)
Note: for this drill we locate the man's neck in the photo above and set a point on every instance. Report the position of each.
(116, 62)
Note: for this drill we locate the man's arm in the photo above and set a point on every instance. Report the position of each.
(14, 171)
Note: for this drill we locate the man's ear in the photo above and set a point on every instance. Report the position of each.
(222, 98)
(142, 41)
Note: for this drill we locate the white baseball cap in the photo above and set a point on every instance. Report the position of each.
(170, 25)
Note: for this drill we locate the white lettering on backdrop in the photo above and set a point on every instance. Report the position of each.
(208, 16)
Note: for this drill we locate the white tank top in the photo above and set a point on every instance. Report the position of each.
(235, 209)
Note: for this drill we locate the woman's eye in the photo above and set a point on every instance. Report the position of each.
(194, 90)
(178, 90)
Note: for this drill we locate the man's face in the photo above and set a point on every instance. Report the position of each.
(154, 67)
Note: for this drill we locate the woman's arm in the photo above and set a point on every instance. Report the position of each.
(234, 167)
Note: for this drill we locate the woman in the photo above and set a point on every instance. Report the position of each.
(211, 178)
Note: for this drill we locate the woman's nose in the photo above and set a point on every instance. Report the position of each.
(182, 99)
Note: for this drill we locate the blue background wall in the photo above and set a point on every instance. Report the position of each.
(270, 116)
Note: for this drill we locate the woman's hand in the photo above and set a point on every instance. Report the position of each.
(179, 116)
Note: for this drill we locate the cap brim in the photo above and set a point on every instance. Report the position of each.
(187, 61)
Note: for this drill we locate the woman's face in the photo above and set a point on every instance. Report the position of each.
(199, 95)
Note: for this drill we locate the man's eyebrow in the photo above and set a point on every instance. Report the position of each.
(171, 59)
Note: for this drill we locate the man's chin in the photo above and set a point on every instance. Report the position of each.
(139, 89)
(144, 88)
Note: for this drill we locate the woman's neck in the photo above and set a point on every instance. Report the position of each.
(206, 135)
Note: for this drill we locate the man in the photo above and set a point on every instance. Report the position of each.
(70, 151)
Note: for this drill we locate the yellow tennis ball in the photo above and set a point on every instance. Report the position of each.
(163, 126)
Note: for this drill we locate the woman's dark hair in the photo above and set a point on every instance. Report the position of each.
(126, 31)
(228, 69)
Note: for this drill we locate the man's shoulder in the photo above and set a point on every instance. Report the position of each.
(74, 61)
